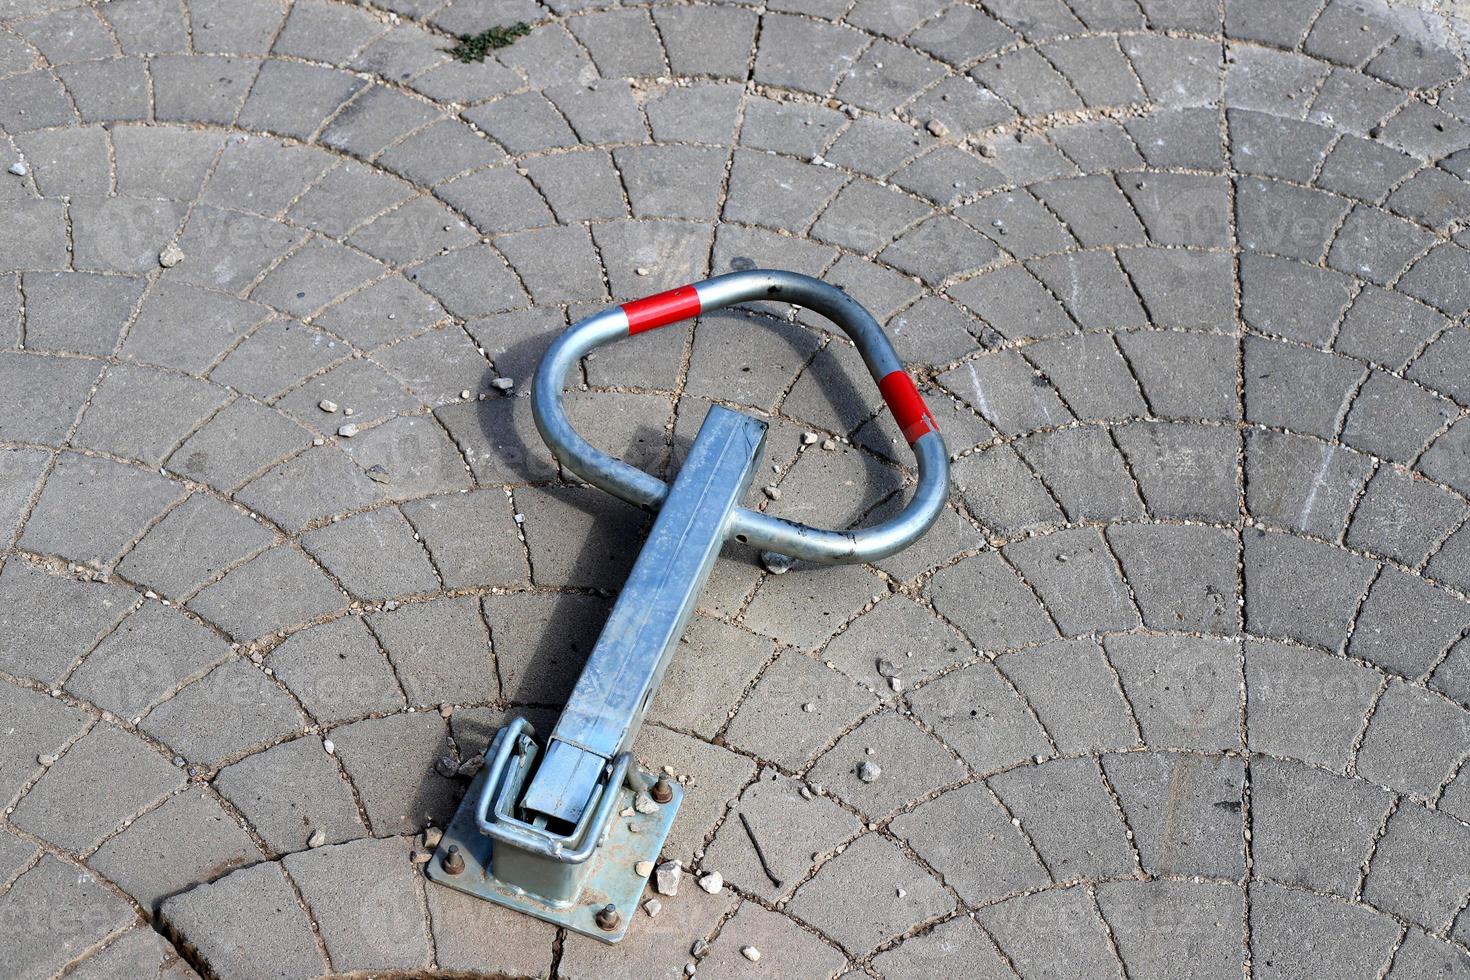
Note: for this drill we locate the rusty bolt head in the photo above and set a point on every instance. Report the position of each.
(608, 918)
(662, 792)
(454, 861)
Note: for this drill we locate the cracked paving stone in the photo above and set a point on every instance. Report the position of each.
(301, 592)
(976, 712)
(1084, 839)
(48, 622)
(38, 726)
(995, 859)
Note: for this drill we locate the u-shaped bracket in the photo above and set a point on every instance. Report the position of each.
(764, 531)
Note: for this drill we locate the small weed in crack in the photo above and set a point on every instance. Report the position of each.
(474, 47)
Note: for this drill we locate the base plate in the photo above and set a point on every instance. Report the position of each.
(611, 878)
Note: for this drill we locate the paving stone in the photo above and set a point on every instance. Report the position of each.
(1387, 327)
(471, 934)
(1008, 392)
(300, 590)
(80, 798)
(1082, 840)
(178, 406)
(1302, 483)
(462, 562)
(1403, 518)
(1393, 419)
(33, 100)
(41, 726)
(1183, 471)
(20, 473)
(1377, 246)
(1305, 704)
(59, 911)
(1082, 468)
(147, 26)
(706, 40)
(230, 250)
(391, 763)
(1184, 811)
(440, 651)
(290, 791)
(239, 442)
(1076, 947)
(1286, 220)
(295, 99)
(373, 555)
(957, 942)
(138, 952)
(1077, 580)
(1285, 598)
(1431, 197)
(808, 828)
(1294, 932)
(263, 176)
(977, 713)
(1290, 149)
(338, 671)
(46, 623)
(1174, 929)
(1311, 829)
(55, 305)
(1413, 741)
(1071, 686)
(1108, 302)
(91, 508)
(901, 631)
(323, 32)
(854, 903)
(148, 656)
(1449, 677)
(1437, 279)
(784, 946)
(537, 664)
(188, 840)
(218, 921)
(1026, 228)
(68, 162)
(470, 282)
(773, 722)
(230, 709)
(1406, 622)
(913, 765)
(713, 666)
(1184, 691)
(39, 237)
(386, 925)
(1419, 867)
(1445, 460)
(1012, 617)
(1423, 954)
(200, 89)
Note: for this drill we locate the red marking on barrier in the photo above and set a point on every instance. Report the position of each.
(661, 309)
(907, 406)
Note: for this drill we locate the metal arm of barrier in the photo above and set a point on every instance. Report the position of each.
(763, 531)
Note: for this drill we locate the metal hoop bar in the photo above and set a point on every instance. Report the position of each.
(762, 531)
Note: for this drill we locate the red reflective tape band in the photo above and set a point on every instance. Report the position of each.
(907, 406)
(661, 309)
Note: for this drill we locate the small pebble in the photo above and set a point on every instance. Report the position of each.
(772, 491)
(171, 256)
(808, 438)
(464, 395)
(417, 856)
(653, 907)
(317, 838)
(348, 411)
(666, 878)
(347, 431)
(432, 837)
(829, 444)
(900, 892)
(809, 707)
(327, 744)
(503, 384)
(751, 953)
(641, 270)
(19, 169)
(643, 869)
(887, 668)
(712, 882)
(868, 772)
(806, 792)
(327, 405)
(472, 765)
(645, 804)
(46, 760)
(689, 969)
(987, 150)
(699, 948)
(776, 564)
(937, 128)
(895, 684)
(446, 766)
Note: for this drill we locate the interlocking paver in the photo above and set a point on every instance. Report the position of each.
(1087, 193)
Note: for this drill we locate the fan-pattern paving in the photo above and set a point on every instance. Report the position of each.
(1178, 685)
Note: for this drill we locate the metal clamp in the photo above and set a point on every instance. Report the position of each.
(764, 531)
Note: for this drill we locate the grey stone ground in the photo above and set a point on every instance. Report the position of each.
(1183, 670)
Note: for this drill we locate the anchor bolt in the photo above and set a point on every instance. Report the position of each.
(608, 918)
(662, 792)
(454, 861)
